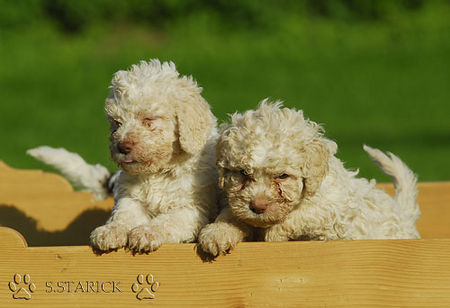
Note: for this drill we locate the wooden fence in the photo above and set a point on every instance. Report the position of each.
(45, 260)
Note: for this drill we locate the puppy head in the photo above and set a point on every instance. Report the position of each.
(156, 117)
(270, 159)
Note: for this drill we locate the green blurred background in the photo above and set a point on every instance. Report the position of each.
(374, 72)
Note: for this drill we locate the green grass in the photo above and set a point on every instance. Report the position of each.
(386, 84)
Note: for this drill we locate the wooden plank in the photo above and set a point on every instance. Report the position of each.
(46, 210)
(11, 238)
(47, 197)
(413, 273)
(434, 202)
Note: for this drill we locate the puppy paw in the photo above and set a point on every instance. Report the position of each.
(218, 238)
(109, 237)
(144, 239)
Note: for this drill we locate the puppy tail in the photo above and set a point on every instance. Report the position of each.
(403, 178)
(92, 178)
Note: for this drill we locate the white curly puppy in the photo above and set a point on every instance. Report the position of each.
(283, 182)
(163, 136)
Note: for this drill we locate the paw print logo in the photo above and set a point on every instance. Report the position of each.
(22, 287)
(145, 287)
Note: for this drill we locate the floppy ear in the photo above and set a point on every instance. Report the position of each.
(224, 133)
(195, 121)
(219, 163)
(316, 165)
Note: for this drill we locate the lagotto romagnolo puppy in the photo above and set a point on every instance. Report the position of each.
(282, 182)
(163, 137)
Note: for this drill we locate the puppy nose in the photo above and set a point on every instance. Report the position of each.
(258, 205)
(125, 147)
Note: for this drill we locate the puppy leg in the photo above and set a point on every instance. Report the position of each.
(178, 226)
(223, 235)
(127, 214)
(278, 233)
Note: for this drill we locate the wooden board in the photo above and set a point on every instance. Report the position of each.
(434, 202)
(414, 273)
(45, 209)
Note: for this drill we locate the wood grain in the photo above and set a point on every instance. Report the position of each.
(11, 238)
(44, 208)
(434, 202)
(47, 197)
(412, 273)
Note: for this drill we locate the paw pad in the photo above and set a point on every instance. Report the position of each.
(145, 287)
(22, 287)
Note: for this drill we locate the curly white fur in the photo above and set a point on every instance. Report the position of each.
(283, 182)
(163, 136)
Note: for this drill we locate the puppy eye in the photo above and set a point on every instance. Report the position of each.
(115, 125)
(147, 122)
(244, 173)
(283, 176)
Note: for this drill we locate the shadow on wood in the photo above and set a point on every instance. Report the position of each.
(76, 233)
(45, 209)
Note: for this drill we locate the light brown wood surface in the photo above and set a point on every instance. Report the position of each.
(414, 273)
(434, 202)
(44, 208)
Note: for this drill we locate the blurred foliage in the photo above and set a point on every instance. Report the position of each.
(74, 16)
(375, 72)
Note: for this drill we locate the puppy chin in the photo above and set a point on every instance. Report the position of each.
(133, 168)
(259, 220)
(148, 166)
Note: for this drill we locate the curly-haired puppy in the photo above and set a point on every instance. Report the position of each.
(282, 182)
(163, 136)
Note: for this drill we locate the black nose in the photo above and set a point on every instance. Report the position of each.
(124, 147)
